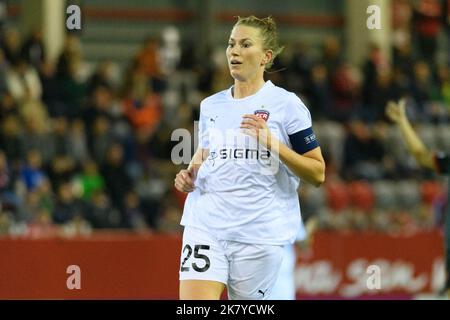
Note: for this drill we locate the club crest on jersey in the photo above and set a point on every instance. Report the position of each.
(263, 114)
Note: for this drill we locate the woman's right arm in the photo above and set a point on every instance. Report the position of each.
(396, 112)
(184, 180)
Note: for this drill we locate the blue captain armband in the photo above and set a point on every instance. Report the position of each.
(303, 141)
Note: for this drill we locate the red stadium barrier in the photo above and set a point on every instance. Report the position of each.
(112, 266)
(338, 266)
(142, 266)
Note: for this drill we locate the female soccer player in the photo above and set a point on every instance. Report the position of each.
(437, 161)
(255, 144)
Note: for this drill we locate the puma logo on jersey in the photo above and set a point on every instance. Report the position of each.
(212, 156)
(262, 292)
(213, 119)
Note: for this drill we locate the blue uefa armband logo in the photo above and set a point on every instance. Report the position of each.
(310, 138)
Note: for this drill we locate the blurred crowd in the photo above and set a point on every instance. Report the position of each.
(85, 147)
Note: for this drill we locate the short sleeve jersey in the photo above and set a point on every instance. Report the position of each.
(244, 192)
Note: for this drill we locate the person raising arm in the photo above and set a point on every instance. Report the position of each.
(436, 161)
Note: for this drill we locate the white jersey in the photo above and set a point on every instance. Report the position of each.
(235, 197)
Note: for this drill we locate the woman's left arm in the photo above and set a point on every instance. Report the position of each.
(309, 166)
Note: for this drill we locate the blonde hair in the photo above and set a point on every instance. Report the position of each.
(268, 30)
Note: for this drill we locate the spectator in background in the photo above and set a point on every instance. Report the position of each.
(345, 86)
(89, 181)
(400, 82)
(424, 88)
(151, 186)
(70, 68)
(427, 24)
(67, 207)
(117, 180)
(106, 104)
(3, 18)
(8, 198)
(144, 115)
(99, 213)
(60, 137)
(41, 225)
(299, 68)
(7, 102)
(51, 93)
(104, 120)
(148, 58)
(143, 109)
(170, 51)
(72, 90)
(318, 92)
(11, 44)
(402, 51)
(36, 133)
(78, 140)
(331, 54)
(362, 153)
(101, 138)
(203, 71)
(403, 59)
(149, 63)
(23, 81)
(46, 196)
(378, 94)
(36, 203)
(374, 63)
(8, 105)
(133, 217)
(10, 140)
(444, 85)
(99, 105)
(102, 77)
(61, 169)
(437, 161)
(70, 52)
(30, 206)
(32, 174)
(6, 222)
(377, 85)
(169, 214)
(33, 49)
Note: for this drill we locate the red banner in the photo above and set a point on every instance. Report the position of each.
(141, 266)
(371, 266)
(111, 266)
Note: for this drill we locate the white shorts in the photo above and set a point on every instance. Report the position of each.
(249, 271)
(284, 288)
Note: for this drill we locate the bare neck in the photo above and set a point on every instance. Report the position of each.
(244, 89)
